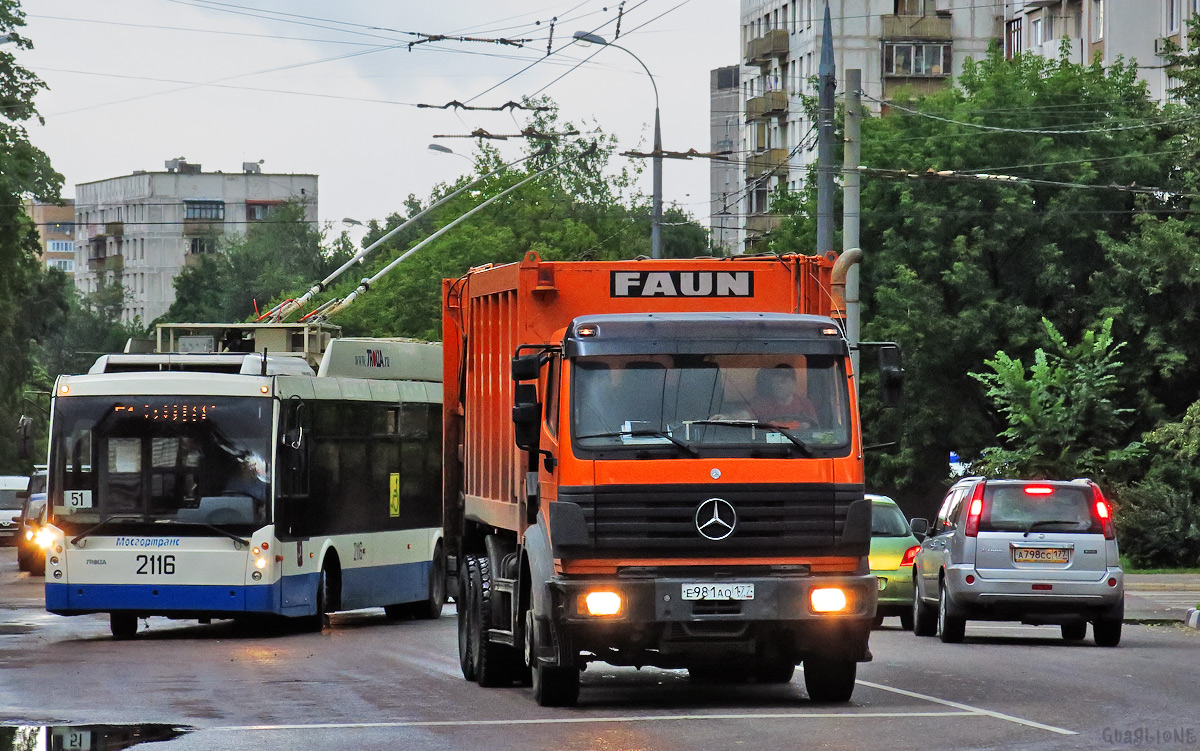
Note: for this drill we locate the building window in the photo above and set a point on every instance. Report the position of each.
(62, 264)
(1172, 16)
(1013, 38)
(256, 212)
(910, 59)
(1035, 32)
(60, 246)
(200, 246)
(1097, 20)
(204, 210)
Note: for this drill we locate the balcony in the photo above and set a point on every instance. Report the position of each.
(770, 104)
(916, 27)
(767, 160)
(761, 224)
(761, 50)
(114, 229)
(106, 263)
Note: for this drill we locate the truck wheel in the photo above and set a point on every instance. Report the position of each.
(1074, 631)
(1106, 633)
(950, 627)
(467, 646)
(924, 619)
(555, 686)
(122, 625)
(829, 681)
(495, 664)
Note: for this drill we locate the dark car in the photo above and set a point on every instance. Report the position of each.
(31, 556)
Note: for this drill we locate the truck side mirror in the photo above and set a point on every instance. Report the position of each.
(527, 416)
(891, 375)
(526, 367)
(920, 527)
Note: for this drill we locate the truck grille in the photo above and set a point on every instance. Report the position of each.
(774, 520)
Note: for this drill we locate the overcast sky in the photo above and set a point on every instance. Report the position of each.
(327, 87)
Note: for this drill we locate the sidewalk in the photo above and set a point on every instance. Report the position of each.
(1160, 597)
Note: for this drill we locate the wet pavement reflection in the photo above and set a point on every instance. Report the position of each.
(84, 737)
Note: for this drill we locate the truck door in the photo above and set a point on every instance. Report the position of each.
(548, 467)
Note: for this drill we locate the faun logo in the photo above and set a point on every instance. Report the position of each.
(374, 358)
(682, 284)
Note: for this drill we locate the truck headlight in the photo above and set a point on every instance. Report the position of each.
(601, 603)
(828, 600)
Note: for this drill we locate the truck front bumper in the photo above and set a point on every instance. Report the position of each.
(657, 626)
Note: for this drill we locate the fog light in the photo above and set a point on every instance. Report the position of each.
(57, 574)
(254, 551)
(602, 603)
(260, 563)
(828, 600)
(256, 575)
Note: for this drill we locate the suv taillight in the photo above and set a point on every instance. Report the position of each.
(1103, 512)
(974, 511)
(910, 556)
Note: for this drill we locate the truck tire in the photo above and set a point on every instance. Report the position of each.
(924, 618)
(555, 686)
(828, 681)
(495, 664)
(122, 625)
(951, 627)
(467, 633)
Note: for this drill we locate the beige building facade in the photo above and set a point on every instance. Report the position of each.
(56, 232)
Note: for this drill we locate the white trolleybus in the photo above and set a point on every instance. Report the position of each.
(200, 486)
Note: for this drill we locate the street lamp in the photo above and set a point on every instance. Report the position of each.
(587, 37)
(446, 150)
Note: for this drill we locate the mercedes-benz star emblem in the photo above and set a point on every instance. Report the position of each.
(715, 519)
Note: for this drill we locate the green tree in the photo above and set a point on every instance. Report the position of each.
(29, 307)
(1062, 415)
(284, 251)
(958, 267)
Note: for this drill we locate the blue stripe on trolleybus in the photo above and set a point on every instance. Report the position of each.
(361, 587)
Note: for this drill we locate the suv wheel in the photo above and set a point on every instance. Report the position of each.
(1107, 633)
(924, 621)
(950, 627)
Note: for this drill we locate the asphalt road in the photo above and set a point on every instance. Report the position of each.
(367, 683)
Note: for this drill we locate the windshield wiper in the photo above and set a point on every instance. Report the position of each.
(785, 432)
(213, 527)
(116, 517)
(645, 432)
(1045, 522)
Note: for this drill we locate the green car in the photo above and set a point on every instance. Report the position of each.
(893, 549)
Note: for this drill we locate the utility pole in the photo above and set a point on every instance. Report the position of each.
(851, 211)
(825, 165)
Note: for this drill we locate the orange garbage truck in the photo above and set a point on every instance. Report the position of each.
(656, 462)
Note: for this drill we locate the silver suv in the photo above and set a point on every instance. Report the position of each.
(1033, 551)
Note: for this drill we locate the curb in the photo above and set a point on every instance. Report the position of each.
(1193, 618)
(1152, 621)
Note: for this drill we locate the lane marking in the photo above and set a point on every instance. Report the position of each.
(969, 708)
(586, 720)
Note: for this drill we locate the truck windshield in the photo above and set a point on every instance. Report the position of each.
(721, 404)
(186, 459)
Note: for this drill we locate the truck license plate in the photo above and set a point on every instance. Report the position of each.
(718, 591)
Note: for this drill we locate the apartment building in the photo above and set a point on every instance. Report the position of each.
(725, 176)
(56, 233)
(141, 230)
(917, 44)
(1108, 29)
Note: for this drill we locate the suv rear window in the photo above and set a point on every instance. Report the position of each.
(1012, 508)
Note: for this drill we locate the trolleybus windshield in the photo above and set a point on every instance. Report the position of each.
(192, 460)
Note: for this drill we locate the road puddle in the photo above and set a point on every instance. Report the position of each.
(84, 737)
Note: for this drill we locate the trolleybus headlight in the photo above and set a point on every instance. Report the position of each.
(57, 574)
(256, 575)
(44, 539)
(828, 600)
(260, 562)
(601, 602)
(53, 560)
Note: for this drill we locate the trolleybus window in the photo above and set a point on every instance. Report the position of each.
(184, 459)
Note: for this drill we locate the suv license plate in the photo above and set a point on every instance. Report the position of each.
(718, 591)
(1041, 555)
